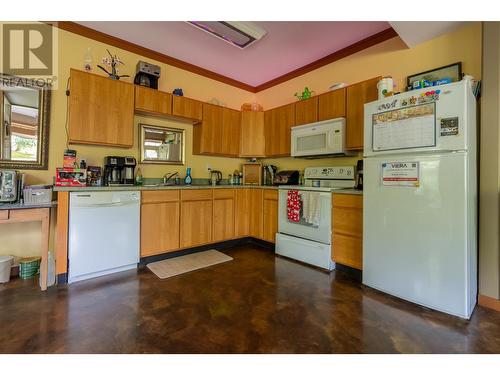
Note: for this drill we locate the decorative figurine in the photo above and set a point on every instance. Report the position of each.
(178, 92)
(306, 94)
(112, 61)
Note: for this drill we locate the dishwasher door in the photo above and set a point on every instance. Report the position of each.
(104, 233)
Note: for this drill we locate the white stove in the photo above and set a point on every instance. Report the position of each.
(301, 239)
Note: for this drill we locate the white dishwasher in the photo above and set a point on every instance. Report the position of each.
(104, 233)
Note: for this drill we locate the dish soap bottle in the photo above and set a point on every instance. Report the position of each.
(138, 177)
(188, 180)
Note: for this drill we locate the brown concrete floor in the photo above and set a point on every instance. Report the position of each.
(255, 304)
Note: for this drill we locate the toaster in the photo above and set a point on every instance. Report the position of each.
(9, 190)
(286, 178)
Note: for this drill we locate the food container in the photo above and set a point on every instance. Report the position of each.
(37, 195)
(29, 267)
(5, 265)
(74, 177)
(69, 160)
(385, 87)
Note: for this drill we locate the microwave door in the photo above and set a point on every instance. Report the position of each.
(311, 143)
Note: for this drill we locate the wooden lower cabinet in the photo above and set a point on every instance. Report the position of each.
(242, 213)
(256, 214)
(176, 219)
(347, 230)
(196, 217)
(249, 215)
(270, 215)
(223, 214)
(160, 222)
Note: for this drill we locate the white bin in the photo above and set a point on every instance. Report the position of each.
(5, 265)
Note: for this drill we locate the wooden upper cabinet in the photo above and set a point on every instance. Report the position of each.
(101, 110)
(187, 108)
(218, 133)
(347, 230)
(331, 104)
(231, 125)
(356, 97)
(278, 123)
(207, 136)
(306, 111)
(252, 139)
(151, 101)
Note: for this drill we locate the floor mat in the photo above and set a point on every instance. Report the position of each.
(187, 263)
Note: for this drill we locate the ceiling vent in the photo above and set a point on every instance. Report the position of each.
(239, 34)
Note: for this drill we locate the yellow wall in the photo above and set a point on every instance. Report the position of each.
(389, 58)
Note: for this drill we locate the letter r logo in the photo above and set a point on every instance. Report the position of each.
(27, 49)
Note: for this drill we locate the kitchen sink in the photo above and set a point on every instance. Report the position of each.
(160, 185)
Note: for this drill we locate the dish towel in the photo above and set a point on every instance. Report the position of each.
(293, 204)
(310, 207)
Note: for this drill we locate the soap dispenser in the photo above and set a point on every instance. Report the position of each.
(188, 180)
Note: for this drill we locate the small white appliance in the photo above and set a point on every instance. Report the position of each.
(420, 197)
(303, 241)
(104, 232)
(319, 139)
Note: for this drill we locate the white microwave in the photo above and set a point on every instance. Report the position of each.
(324, 138)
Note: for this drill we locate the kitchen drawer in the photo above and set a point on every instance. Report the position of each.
(4, 214)
(160, 196)
(223, 193)
(270, 194)
(348, 200)
(347, 220)
(196, 195)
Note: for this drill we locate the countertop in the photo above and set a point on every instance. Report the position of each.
(184, 187)
(22, 206)
(169, 187)
(348, 191)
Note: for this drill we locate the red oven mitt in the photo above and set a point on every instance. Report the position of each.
(293, 206)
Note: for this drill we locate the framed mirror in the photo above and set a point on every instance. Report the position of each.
(160, 145)
(24, 120)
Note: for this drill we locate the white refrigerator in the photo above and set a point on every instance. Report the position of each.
(420, 197)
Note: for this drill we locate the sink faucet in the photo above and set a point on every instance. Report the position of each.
(168, 176)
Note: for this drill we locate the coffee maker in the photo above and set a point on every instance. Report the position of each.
(113, 169)
(119, 170)
(268, 173)
(147, 75)
(129, 164)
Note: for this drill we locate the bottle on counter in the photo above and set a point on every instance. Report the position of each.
(138, 177)
(188, 180)
(240, 178)
(230, 179)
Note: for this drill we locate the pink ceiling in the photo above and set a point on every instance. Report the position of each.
(287, 46)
